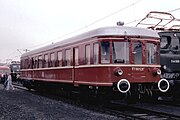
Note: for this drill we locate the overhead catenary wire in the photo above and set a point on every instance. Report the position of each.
(174, 10)
(84, 27)
(107, 16)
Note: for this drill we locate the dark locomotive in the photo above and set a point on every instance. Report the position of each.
(168, 28)
(117, 60)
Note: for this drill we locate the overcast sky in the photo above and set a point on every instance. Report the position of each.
(29, 24)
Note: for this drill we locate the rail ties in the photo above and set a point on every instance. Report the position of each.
(149, 111)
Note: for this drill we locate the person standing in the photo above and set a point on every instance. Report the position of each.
(9, 83)
(5, 80)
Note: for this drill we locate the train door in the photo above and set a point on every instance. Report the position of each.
(75, 62)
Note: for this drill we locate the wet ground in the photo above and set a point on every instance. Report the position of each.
(23, 105)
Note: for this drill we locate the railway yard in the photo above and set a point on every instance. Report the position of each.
(21, 104)
(106, 70)
(109, 73)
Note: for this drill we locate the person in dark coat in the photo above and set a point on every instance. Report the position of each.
(5, 77)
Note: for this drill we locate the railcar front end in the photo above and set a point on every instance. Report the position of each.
(128, 65)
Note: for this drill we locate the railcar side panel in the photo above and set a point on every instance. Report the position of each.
(123, 56)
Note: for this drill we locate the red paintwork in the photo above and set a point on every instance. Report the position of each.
(4, 68)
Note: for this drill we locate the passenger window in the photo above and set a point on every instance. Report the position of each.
(52, 58)
(105, 52)
(33, 64)
(36, 62)
(67, 58)
(87, 55)
(96, 53)
(60, 58)
(27, 63)
(40, 61)
(76, 56)
(46, 60)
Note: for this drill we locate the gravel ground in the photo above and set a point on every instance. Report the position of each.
(22, 105)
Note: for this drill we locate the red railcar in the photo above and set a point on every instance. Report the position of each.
(119, 58)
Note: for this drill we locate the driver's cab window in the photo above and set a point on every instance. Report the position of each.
(137, 51)
(165, 42)
(120, 52)
(105, 52)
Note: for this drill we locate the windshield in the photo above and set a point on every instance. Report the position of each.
(120, 52)
(137, 51)
(170, 44)
(105, 52)
(151, 56)
(165, 42)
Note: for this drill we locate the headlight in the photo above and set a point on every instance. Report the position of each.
(158, 72)
(119, 72)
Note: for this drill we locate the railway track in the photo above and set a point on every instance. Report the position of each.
(137, 111)
(148, 111)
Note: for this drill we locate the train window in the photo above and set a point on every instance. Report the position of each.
(26, 63)
(151, 57)
(36, 62)
(87, 54)
(170, 43)
(105, 52)
(52, 58)
(40, 61)
(120, 52)
(96, 53)
(137, 51)
(33, 62)
(175, 44)
(76, 56)
(67, 58)
(46, 60)
(59, 58)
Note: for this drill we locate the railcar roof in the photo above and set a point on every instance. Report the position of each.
(104, 31)
(4, 67)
